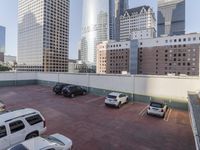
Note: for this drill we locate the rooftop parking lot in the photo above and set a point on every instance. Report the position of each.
(92, 126)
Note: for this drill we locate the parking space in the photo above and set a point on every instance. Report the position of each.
(92, 125)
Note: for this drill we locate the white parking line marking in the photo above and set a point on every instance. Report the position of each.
(168, 115)
(94, 99)
(142, 112)
(102, 105)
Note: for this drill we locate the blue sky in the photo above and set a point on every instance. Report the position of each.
(8, 18)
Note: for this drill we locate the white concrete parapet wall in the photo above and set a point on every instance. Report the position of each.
(157, 86)
(170, 87)
(13, 76)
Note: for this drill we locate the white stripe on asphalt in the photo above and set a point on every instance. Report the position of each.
(142, 112)
(94, 99)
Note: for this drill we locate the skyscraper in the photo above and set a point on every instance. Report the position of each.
(171, 17)
(43, 35)
(98, 24)
(120, 7)
(2, 43)
(138, 23)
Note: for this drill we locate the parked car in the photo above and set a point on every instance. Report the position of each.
(19, 125)
(52, 142)
(157, 108)
(57, 89)
(72, 91)
(116, 99)
(2, 106)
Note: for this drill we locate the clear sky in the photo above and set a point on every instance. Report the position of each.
(8, 18)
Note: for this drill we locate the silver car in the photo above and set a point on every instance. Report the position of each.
(52, 142)
(116, 99)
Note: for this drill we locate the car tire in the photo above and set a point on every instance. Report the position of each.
(32, 135)
(119, 105)
(84, 93)
(72, 95)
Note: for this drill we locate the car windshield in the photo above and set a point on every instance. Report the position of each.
(19, 147)
(111, 96)
(54, 140)
(157, 105)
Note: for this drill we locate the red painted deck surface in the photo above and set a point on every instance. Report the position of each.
(92, 126)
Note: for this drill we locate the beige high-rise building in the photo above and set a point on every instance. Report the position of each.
(43, 35)
(176, 55)
(116, 57)
(170, 55)
(138, 23)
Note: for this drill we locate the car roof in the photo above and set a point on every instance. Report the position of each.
(157, 101)
(37, 143)
(7, 115)
(114, 94)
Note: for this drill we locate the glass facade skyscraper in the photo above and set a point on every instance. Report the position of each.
(2, 42)
(98, 24)
(171, 17)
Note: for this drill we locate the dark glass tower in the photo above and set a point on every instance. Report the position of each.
(2, 43)
(171, 17)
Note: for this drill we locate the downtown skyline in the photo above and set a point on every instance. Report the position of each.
(10, 22)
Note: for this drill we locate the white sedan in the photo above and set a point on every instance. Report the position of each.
(116, 99)
(53, 142)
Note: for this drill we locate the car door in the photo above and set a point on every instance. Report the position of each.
(79, 90)
(4, 138)
(17, 131)
(121, 98)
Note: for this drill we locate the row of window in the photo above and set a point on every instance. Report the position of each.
(19, 125)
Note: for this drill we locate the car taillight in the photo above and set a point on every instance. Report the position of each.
(44, 123)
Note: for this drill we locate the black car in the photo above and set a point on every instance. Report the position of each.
(72, 91)
(59, 87)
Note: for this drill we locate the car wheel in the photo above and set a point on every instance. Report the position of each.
(72, 95)
(32, 135)
(84, 93)
(119, 105)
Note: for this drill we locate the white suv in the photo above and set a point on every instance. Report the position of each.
(116, 99)
(17, 126)
(52, 142)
